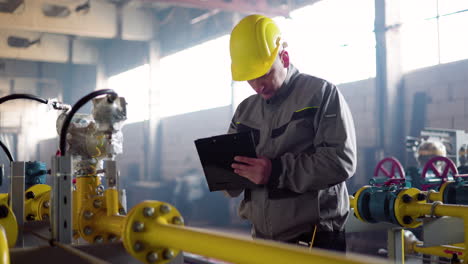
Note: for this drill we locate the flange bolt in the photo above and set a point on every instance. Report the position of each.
(138, 226)
(148, 211)
(407, 219)
(164, 208)
(407, 198)
(152, 257)
(421, 197)
(30, 195)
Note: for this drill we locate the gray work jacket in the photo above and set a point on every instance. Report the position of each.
(307, 130)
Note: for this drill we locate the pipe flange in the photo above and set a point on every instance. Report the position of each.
(402, 216)
(141, 224)
(88, 228)
(356, 202)
(38, 206)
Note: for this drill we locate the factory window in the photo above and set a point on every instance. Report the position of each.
(196, 79)
(329, 41)
(433, 32)
(134, 86)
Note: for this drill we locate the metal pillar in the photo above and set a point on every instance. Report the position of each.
(68, 82)
(62, 204)
(17, 196)
(389, 79)
(153, 145)
(396, 245)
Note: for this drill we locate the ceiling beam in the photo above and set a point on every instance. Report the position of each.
(99, 21)
(50, 48)
(241, 6)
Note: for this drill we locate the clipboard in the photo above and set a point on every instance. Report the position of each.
(216, 156)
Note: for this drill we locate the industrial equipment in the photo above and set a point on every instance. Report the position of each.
(455, 141)
(391, 199)
(83, 202)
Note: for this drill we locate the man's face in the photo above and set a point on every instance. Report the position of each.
(267, 85)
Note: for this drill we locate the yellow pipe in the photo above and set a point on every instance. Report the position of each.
(445, 251)
(110, 224)
(242, 250)
(4, 251)
(112, 201)
(454, 210)
(85, 190)
(434, 196)
(438, 196)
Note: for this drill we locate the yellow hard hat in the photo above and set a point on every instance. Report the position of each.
(254, 45)
(432, 148)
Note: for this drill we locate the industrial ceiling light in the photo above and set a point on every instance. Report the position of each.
(83, 7)
(9, 6)
(19, 42)
(52, 10)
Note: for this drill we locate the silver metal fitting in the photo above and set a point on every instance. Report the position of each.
(122, 211)
(152, 257)
(138, 246)
(88, 230)
(46, 204)
(88, 215)
(98, 240)
(164, 208)
(138, 226)
(112, 238)
(168, 253)
(177, 220)
(148, 211)
(100, 189)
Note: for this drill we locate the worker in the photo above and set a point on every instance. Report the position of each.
(305, 143)
(428, 150)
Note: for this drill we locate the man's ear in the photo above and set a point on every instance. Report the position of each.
(284, 56)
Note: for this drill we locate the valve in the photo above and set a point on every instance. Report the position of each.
(390, 175)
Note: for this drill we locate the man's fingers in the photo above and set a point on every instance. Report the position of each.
(239, 166)
(242, 173)
(247, 160)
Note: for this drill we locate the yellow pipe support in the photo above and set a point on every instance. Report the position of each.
(112, 201)
(153, 233)
(4, 251)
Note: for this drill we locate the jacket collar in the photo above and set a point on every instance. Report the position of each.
(285, 88)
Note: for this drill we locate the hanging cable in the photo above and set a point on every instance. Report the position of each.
(7, 151)
(23, 96)
(53, 102)
(75, 108)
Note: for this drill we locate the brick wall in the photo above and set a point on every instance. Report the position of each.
(179, 132)
(361, 99)
(446, 87)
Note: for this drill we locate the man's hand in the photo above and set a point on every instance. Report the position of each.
(257, 170)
